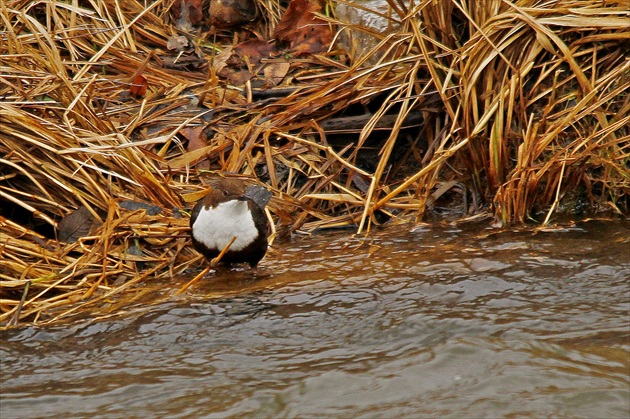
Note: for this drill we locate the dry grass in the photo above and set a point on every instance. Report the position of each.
(522, 106)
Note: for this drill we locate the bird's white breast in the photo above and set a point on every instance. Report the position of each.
(215, 227)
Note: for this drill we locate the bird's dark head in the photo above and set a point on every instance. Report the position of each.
(225, 190)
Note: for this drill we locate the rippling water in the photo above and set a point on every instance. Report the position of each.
(409, 322)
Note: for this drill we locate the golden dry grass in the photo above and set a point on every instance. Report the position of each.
(523, 106)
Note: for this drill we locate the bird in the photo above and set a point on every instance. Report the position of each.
(232, 210)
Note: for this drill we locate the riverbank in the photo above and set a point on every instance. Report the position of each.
(114, 118)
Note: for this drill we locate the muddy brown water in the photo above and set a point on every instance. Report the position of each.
(425, 321)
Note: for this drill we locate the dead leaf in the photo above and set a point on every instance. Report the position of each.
(139, 86)
(236, 77)
(197, 140)
(187, 12)
(276, 71)
(177, 43)
(361, 182)
(137, 205)
(220, 60)
(255, 50)
(302, 29)
(230, 13)
(75, 225)
(184, 63)
(195, 136)
(258, 194)
(286, 28)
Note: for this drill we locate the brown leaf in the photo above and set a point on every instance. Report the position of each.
(286, 28)
(220, 60)
(184, 63)
(259, 194)
(230, 13)
(255, 49)
(75, 225)
(188, 11)
(139, 86)
(276, 71)
(302, 29)
(197, 140)
(195, 136)
(237, 77)
(177, 42)
(138, 205)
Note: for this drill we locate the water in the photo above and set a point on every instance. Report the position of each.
(410, 322)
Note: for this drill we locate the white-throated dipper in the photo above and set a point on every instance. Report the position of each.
(231, 210)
